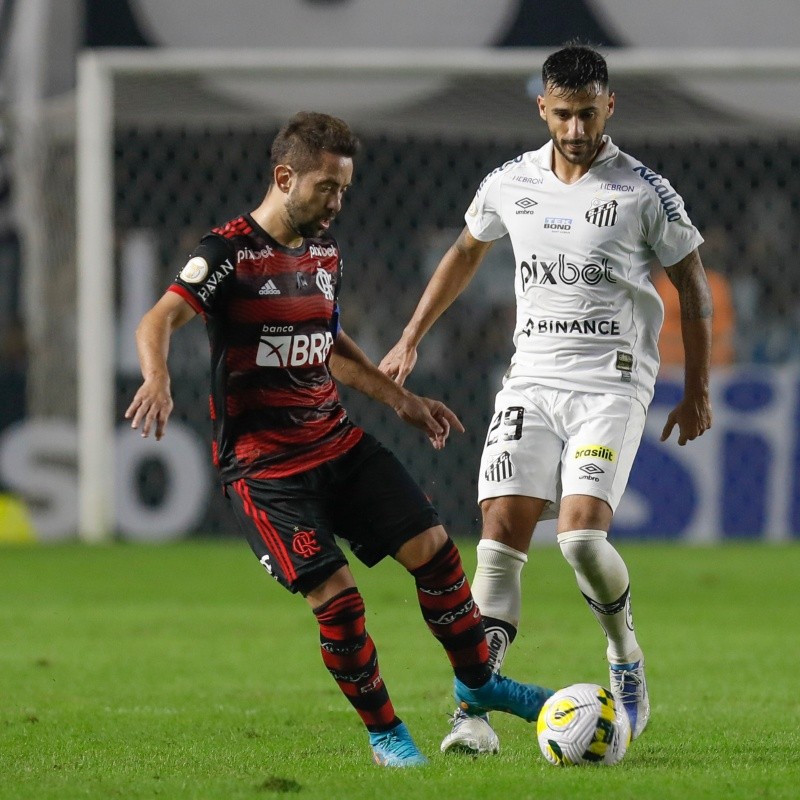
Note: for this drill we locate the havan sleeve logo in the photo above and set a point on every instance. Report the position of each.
(213, 281)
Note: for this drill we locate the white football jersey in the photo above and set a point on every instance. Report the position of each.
(588, 315)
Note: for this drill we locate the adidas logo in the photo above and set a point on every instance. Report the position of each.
(269, 288)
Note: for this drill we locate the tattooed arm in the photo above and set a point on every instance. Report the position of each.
(693, 414)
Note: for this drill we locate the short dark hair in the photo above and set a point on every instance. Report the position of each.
(306, 135)
(575, 67)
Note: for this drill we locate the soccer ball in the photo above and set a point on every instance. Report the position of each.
(582, 724)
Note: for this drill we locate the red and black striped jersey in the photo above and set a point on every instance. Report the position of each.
(271, 314)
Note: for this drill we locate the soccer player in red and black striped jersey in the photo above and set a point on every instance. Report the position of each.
(297, 471)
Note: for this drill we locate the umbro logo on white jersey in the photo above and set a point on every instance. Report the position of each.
(269, 288)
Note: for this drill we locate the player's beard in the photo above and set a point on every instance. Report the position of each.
(584, 156)
(301, 223)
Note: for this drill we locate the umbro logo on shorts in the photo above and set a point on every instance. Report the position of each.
(591, 469)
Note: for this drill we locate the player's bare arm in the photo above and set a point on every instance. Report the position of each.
(456, 269)
(350, 365)
(693, 414)
(152, 403)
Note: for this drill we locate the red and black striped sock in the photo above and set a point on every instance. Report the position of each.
(350, 656)
(452, 615)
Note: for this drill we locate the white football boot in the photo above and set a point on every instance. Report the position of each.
(629, 688)
(470, 735)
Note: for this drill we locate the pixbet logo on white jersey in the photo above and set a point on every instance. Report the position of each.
(540, 271)
(299, 350)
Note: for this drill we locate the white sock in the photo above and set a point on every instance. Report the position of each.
(603, 579)
(498, 592)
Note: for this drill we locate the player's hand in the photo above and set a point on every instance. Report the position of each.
(399, 362)
(151, 407)
(431, 416)
(692, 416)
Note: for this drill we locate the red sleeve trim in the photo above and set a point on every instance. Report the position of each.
(188, 297)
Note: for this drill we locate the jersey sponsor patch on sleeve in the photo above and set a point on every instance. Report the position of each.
(195, 270)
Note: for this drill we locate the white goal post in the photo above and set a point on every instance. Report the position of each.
(100, 100)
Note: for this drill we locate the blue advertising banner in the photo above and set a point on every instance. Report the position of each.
(739, 480)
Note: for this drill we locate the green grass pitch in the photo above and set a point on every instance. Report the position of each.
(183, 671)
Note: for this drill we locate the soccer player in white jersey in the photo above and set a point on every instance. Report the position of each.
(586, 221)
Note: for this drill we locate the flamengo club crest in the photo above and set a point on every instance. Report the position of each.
(324, 283)
(305, 543)
(603, 215)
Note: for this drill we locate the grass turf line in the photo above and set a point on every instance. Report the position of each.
(183, 671)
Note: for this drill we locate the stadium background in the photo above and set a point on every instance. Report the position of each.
(735, 159)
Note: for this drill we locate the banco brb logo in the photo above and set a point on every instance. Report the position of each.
(300, 350)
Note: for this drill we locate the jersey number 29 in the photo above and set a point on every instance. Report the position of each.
(510, 420)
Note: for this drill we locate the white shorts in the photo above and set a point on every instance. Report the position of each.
(549, 443)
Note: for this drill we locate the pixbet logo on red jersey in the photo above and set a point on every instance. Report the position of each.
(299, 350)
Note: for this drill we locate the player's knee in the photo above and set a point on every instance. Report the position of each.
(511, 520)
(581, 548)
(329, 587)
(584, 512)
(422, 548)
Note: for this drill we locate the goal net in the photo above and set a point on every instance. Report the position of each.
(172, 142)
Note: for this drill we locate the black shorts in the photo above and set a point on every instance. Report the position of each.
(365, 496)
